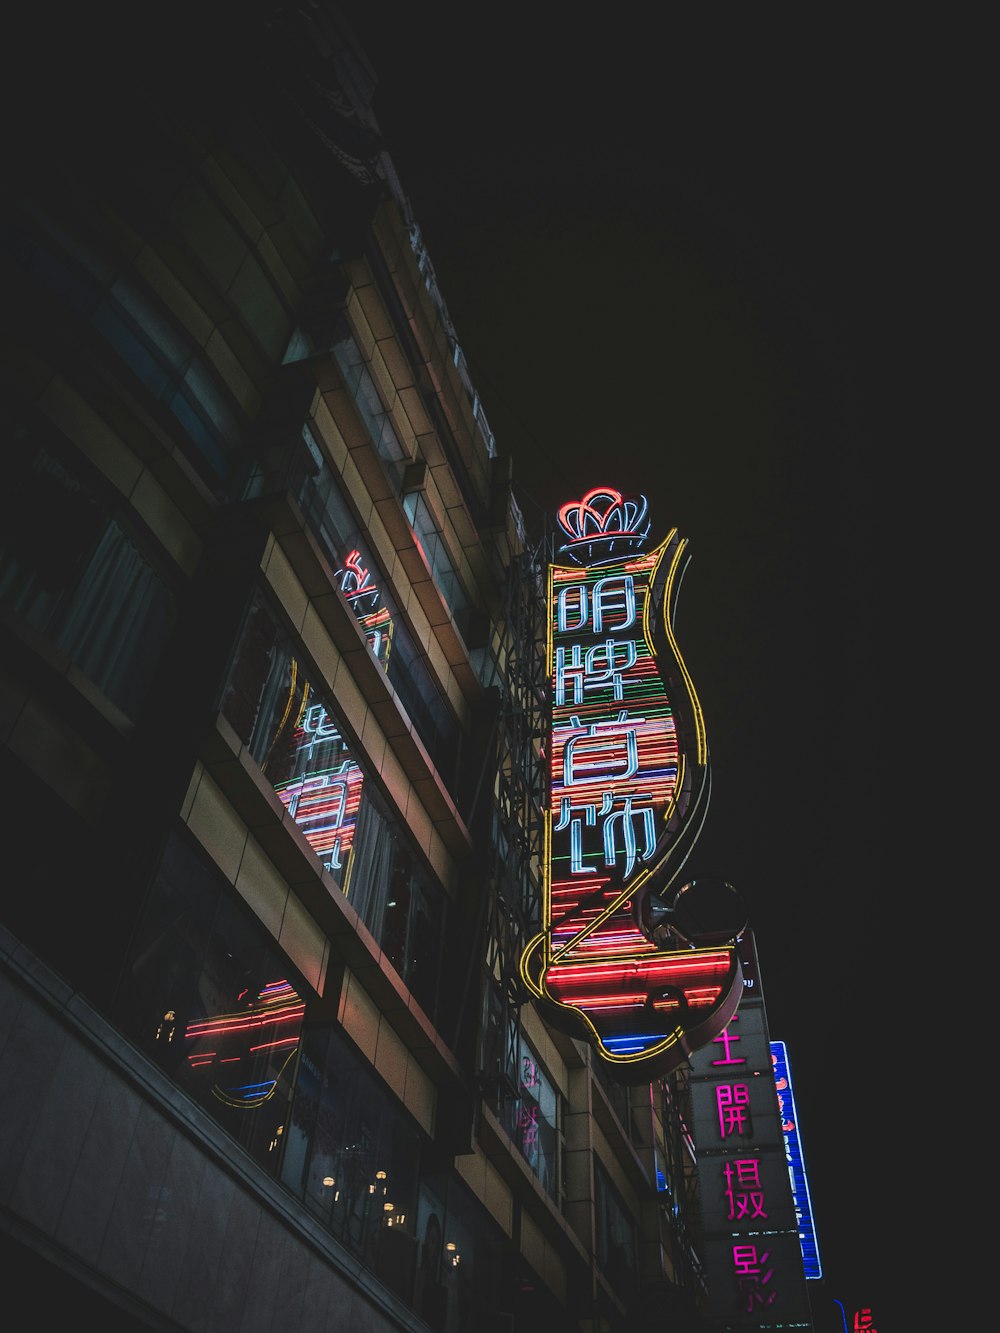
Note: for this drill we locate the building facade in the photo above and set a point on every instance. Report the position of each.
(274, 700)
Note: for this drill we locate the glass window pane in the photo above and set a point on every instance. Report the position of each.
(210, 997)
(71, 572)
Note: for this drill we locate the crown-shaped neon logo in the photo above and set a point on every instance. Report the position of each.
(603, 526)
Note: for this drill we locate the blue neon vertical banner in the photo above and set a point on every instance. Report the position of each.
(796, 1161)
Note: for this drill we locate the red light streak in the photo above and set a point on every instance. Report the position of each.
(229, 1023)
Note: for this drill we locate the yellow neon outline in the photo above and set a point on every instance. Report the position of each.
(288, 708)
(601, 917)
(668, 597)
(672, 1039)
(258, 1101)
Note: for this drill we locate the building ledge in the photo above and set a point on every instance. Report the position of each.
(352, 945)
(313, 571)
(616, 1134)
(514, 1170)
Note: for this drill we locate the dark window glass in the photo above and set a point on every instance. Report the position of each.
(71, 572)
(153, 348)
(353, 1157)
(208, 995)
(616, 1246)
(430, 541)
(463, 1281)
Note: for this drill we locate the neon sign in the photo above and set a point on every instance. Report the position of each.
(645, 974)
(796, 1161)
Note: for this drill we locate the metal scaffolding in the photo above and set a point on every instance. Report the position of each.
(513, 888)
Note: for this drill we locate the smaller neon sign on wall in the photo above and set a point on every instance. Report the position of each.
(796, 1161)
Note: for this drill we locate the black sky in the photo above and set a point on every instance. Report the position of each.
(671, 254)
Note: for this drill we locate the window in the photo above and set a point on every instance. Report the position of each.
(293, 733)
(464, 1277)
(156, 352)
(616, 1245)
(533, 1115)
(533, 1121)
(208, 995)
(429, 540)
(366, 397)
(70, 570)
(353, 1158)
(364, 584)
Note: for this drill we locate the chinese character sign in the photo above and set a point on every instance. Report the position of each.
(754, 1275)
(644, 976)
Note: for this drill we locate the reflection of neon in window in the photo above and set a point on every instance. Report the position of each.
(242, 1046)
(378, 627)
(428, 540)
(324, 801)
(363, 593)
(532, 1122)
(325, 806)
(356, 581)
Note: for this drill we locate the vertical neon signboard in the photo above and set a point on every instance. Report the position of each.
(647, 976)
(796, 1161)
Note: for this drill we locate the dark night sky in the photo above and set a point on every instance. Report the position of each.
(672, 260)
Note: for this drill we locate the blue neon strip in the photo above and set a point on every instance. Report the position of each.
(808, 1239)
(252, 1089)
(633, 1042)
